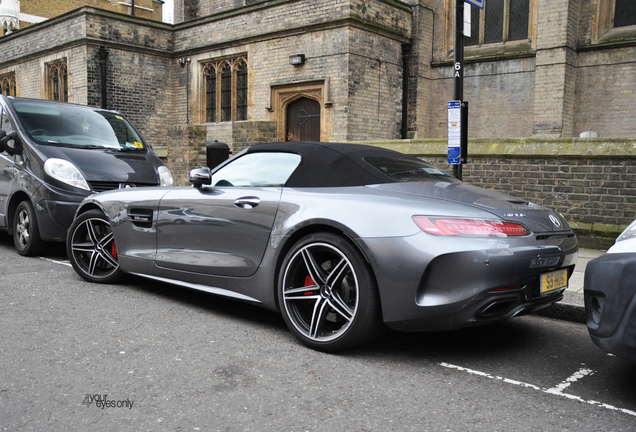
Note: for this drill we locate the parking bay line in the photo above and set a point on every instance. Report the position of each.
(66, 263)
(557, 390)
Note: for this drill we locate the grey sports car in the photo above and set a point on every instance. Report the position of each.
(342, 239)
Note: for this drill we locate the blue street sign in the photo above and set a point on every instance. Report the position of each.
(476, 3)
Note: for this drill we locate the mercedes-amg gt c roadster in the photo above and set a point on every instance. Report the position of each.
(343, 239)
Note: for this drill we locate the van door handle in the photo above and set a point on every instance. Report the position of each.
(247, 202)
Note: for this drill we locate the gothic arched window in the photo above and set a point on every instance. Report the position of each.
(57, 84)
(226, 87)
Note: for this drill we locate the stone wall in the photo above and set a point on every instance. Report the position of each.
(246, 134)
(135, 87)
(374, 86)
(187, 150)
(500, 95)
(268, 18)
(569, 77)
(606, 92)
(151, 9)
(352, 48)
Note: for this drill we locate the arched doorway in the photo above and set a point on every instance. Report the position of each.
(303, 120)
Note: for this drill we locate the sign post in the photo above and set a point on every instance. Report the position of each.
(458, 108)
(458, 86)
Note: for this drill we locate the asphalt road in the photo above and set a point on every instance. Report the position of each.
(143, 356)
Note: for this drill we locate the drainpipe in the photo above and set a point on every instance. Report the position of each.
(103, 65)
(184, 62)
(406, 56)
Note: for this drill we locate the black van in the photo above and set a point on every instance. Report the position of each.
(53, 155)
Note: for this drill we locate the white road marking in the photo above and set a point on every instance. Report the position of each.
(66, 263)
(565, 384)
(558, 390)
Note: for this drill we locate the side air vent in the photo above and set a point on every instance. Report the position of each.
(140, 217)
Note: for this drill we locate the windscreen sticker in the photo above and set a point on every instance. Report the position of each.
(138, 144)
(119, 117)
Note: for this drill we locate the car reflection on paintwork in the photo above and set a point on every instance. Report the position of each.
(190, 216)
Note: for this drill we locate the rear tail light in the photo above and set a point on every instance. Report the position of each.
(469, 227)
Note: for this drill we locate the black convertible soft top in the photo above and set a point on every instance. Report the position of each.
(333, 164)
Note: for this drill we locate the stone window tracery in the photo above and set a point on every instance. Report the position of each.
(8, 85)
(612, 16)
(57, 81)
(624, 13)
(226, 85)
(500, 21)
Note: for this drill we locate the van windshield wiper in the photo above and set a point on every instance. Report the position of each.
(130, 149)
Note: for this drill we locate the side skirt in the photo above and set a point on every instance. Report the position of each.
(199, 287)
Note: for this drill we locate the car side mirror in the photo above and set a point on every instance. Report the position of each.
(201, 176)
(4, 143)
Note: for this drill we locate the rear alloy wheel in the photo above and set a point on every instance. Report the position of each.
(328, 294)
(91, 248)
(26, 234)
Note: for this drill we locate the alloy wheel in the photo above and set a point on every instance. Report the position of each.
(320, 292)
(92, 249)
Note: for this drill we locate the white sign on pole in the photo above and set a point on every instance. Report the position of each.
(477, 3)
(467, 16)
(454, 132)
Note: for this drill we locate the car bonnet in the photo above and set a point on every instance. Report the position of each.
(112, 166)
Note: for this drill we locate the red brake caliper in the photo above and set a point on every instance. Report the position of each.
(309, 282)
(113, 250)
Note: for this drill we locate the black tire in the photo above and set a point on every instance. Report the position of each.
(90, 246)
(341, 310)
(26, 233)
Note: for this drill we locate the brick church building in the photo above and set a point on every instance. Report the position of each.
(538, 74)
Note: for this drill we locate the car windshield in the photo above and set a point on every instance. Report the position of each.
(408, 170)
(77, 126)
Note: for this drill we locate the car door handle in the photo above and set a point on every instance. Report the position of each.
(247, 202)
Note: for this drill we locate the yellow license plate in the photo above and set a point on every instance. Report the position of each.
(554, 280)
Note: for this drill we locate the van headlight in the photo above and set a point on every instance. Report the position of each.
(165, 177)
(65, 172)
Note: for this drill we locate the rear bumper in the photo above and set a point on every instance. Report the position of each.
(451, 283)
(610, 303)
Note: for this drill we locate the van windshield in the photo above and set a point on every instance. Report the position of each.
(77, 126)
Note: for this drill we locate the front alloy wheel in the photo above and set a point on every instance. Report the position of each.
(328, 294)
(91, 248)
